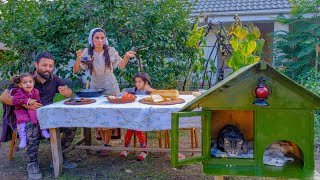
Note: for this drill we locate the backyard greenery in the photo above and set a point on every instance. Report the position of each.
(159, 30)
(295, 53)
(246, 44)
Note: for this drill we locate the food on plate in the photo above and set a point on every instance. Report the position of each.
(155, 98)
(128, 96)
(111, 97)
(196, 94)
(84, 99)
(172, 94)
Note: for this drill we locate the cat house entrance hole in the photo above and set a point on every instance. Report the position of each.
(283, 154)
(242, 119)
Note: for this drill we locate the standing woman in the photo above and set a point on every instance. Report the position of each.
(102, 60)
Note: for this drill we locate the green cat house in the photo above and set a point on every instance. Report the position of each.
(268, 108)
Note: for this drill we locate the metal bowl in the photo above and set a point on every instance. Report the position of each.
(89, 92)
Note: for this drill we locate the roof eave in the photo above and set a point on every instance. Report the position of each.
(251, 12)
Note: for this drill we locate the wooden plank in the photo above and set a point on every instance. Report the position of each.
(56, 151)
(70, 148)
(88, 138)
(13, 139)
(134, 149)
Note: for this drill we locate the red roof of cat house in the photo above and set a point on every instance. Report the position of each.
(270, 109)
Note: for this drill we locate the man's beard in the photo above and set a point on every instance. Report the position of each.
(44, 76)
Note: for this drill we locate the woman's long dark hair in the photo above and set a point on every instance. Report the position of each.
(105, 48)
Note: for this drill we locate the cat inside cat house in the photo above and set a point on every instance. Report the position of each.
(232, 134)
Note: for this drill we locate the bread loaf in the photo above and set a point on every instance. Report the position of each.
(172, 94)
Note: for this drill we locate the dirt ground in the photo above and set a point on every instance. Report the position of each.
(93, 166)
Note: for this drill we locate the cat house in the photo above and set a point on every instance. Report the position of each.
(274, 116)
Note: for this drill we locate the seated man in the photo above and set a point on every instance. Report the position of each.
(48, 85)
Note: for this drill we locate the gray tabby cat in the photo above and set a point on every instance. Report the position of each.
(231, 140)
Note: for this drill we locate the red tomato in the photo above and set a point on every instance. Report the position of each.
(127, 96)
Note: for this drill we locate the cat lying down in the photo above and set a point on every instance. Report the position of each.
(231, 140)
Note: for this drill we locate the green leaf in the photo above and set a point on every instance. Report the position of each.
(241, 32)
(251, 37)
(252, 59)
(256, 32)
(236, 61)
(234, 41)
(247, 47)
(260, 44)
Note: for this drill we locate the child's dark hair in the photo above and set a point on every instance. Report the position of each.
(17, 79)
(144, 76)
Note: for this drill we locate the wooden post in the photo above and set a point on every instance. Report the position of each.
(196, 140)
(160, 139)
(13, 139)
(87, 137)
(56, 151)
(146, 137)
(192, 139)
(166, 139)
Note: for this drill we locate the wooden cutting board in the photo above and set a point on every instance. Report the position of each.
(172, 102)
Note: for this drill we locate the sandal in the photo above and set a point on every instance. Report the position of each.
(124, 154)
(142, 155)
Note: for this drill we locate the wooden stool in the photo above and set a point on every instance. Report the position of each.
(13, 139)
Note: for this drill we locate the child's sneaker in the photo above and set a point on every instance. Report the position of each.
(124, 154)
(45, 133)
(142, 156)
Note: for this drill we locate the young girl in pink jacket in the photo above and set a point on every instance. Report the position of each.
(26, 94)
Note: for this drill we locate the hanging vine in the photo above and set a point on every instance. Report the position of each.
(246, 44)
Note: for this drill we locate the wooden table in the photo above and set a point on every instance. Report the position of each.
(106, 115)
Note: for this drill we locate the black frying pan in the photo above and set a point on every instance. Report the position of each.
(89, 92)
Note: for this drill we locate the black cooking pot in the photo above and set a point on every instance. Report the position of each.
(89, 92)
